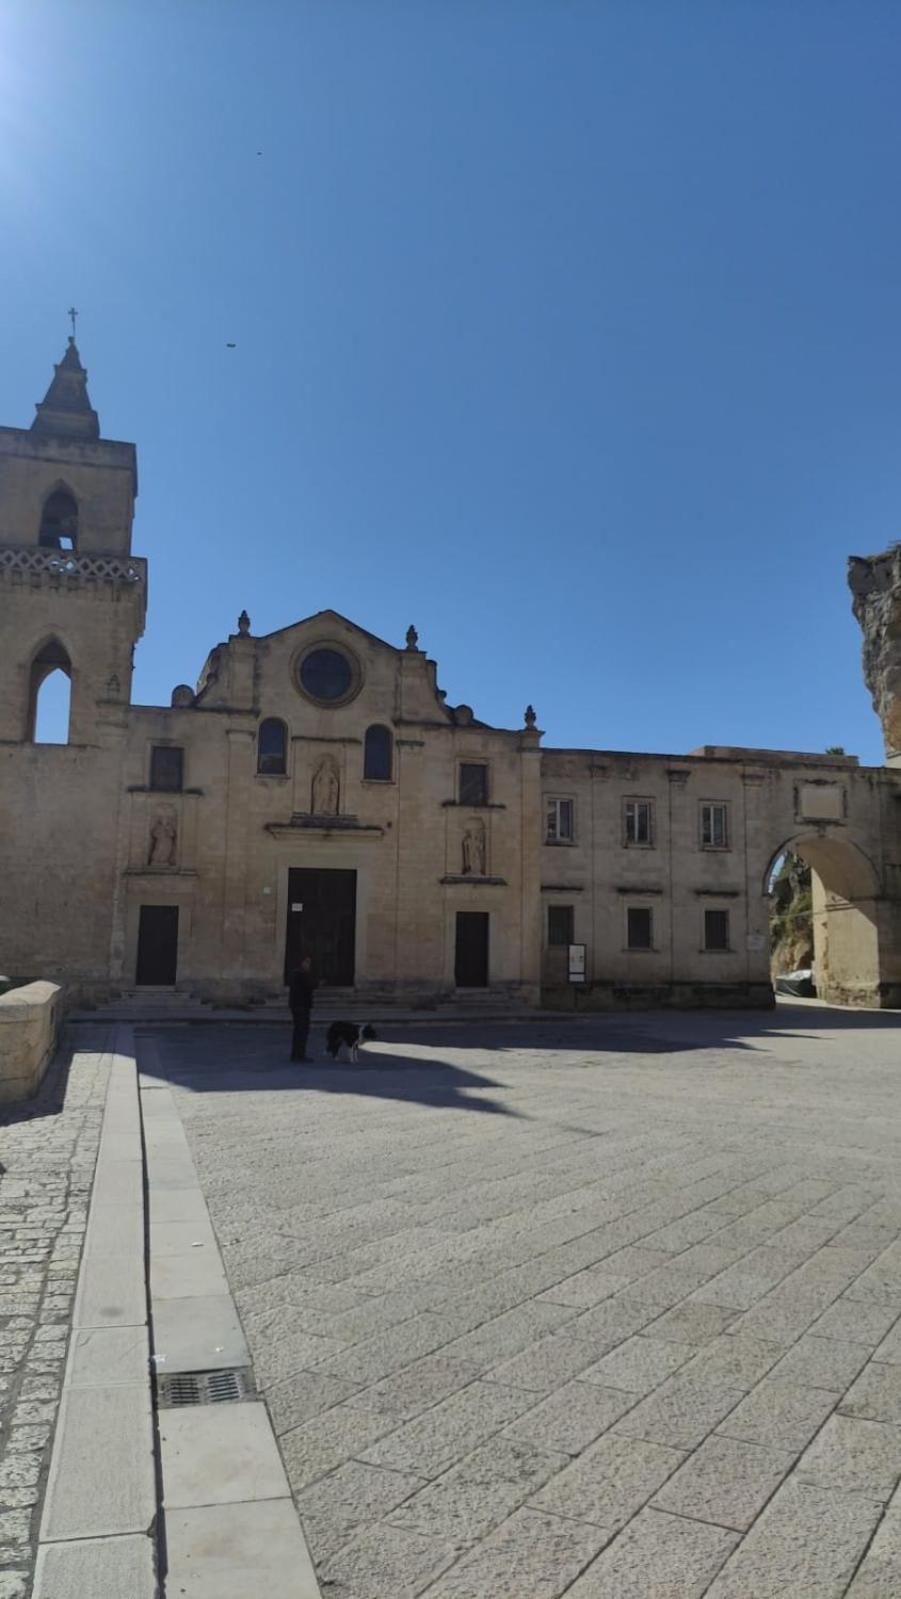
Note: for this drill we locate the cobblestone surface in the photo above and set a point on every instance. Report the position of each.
(608, 1307)
(48, 1148)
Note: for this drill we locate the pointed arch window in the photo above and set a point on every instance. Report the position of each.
(272, 748)
(59, 522)
(378, 754)
(49, 695)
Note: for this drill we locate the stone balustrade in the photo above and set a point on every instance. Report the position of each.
(68, 565)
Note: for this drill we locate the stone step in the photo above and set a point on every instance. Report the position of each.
(162, 1005)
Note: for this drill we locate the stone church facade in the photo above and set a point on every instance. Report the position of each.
(316, 791)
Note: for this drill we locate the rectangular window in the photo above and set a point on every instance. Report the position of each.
(473, 783)
(167, 768)
(716, 929)
(714, 825)
(560, 821)
(640, 927)
(559, 925)
(638, 822)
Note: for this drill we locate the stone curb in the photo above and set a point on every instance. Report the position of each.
(97, 1532)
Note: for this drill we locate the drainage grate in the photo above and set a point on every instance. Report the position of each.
(204, 1387)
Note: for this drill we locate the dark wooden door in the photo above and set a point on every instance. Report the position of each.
(471, 963)
(157, 945)
(322, 923)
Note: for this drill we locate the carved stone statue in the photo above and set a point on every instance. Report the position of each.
(243, 624)
(531, 717)
(474, 849)
(163, 842)
(326, 789)
(412, 638)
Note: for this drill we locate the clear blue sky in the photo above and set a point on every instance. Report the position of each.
(567, 330)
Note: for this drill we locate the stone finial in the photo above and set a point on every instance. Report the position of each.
(243, 624)
(412, 638)
(530, 717)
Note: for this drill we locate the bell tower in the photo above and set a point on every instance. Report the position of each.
(72, 595)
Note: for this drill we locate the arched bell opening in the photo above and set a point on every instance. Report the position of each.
(50, 695)
(59, 521)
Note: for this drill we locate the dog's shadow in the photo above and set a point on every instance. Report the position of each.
(386, 1073)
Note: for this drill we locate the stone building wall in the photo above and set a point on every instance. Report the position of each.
(238, 831)
(842, 818)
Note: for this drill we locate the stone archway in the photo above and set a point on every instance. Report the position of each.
(854, 952)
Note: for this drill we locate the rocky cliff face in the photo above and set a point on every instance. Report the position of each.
(875, 582)
(791, 918)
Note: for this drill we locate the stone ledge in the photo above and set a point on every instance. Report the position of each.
(472, 881)
(30, 1021)
(329, 826)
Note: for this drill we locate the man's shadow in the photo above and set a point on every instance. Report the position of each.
(256, 1064)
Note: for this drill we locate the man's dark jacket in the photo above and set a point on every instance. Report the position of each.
(300, 992)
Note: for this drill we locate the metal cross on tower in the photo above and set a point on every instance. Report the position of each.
(72, 314)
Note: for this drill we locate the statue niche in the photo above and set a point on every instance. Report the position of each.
(474, 849)
(163, 841)
(326, 789)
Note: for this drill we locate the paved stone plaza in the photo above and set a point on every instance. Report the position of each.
(608, 1307)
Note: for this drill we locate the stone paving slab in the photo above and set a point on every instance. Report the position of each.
(218, 1454)
(101, 1483)
(656, 1554)
(233, 1551)
(879, 1574)
(606, 1308)
(107, 1566)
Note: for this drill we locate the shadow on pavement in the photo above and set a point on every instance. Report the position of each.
(50, 1097)
(205, 1059)
(405, 1063)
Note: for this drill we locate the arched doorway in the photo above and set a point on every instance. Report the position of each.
(845, 909)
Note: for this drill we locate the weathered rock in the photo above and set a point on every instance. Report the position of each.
(875, 582)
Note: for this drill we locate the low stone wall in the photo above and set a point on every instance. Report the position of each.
(30, 1022)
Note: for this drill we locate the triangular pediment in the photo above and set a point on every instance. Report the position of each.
(322, 620)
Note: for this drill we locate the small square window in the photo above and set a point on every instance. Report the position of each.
(640, 927)
(473, 783)
(167, 768)
(716, 929)
(560, 821)
(559, 925)
(638, 822)
(714, 825)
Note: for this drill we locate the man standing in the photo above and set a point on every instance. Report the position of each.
(300, 999)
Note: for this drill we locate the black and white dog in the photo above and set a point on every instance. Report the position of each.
(349, 1036)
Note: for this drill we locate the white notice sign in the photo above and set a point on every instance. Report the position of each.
(577, 963)
(297, 907)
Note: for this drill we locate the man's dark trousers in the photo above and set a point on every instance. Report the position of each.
(301, 1033)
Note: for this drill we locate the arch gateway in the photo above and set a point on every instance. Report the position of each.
(314, 791)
